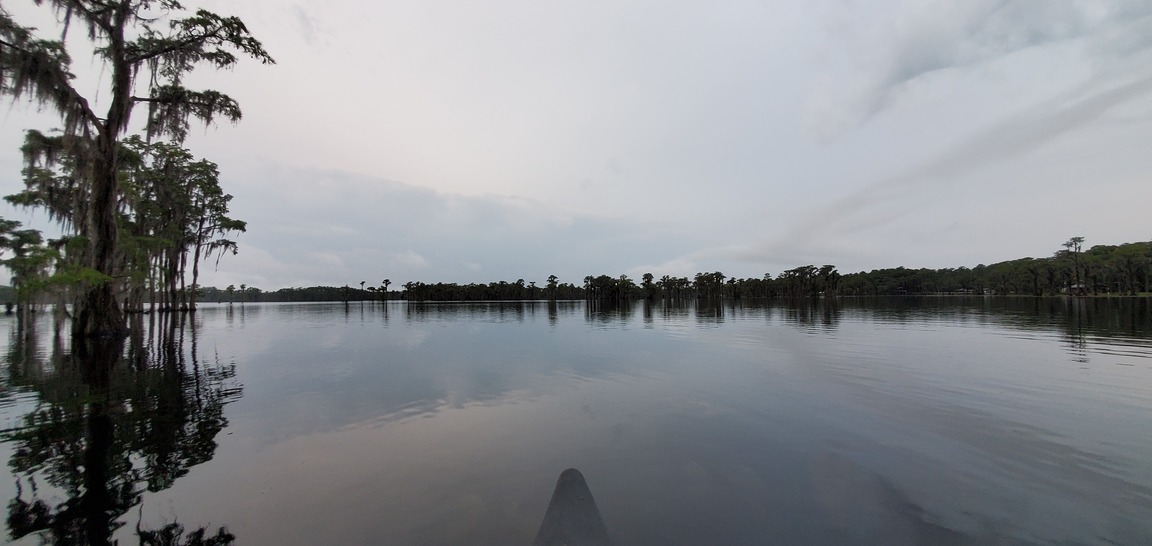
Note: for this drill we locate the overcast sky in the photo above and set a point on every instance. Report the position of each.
(453, 140)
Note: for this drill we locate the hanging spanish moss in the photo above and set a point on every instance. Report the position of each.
(84, 176)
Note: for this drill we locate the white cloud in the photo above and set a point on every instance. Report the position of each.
(409, 259)
(326, 259)
(914, 40)
(308, 22)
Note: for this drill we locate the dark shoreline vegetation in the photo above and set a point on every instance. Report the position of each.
(1112, 270)
(1102, 270)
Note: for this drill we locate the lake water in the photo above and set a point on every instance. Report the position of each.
(874, 421)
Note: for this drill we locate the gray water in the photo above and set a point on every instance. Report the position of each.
(904, 421)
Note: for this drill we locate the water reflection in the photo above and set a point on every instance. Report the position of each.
(1106, 316)
(858, 421)
(606, 313)
(486, 311)
(112, 420)
(1085, 325)
(674, 310)
(813, 315)
(710, 311)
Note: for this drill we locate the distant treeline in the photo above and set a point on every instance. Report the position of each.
(312, 293)
(1103, 269)
(502, 290)
(413, 291)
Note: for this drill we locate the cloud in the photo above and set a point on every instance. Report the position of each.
(326, 259)
(1009, 138)
(389, 229)
(886, 201)
(923, 38)
(306, 22)
(409, 259)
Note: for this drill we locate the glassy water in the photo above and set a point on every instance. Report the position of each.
(903, 421)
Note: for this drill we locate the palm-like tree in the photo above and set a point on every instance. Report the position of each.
(1073, 246)
(552, 286)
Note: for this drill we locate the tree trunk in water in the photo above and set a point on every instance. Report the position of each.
(184, 300)
(170, 266)
(99, 313)
(195, 270)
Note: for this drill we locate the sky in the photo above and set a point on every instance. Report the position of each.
(460, 141)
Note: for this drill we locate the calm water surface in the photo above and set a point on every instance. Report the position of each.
(915, 421)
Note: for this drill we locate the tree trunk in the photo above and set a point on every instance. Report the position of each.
(152, 269)
(171, 269)
(184, 301)
(198, 242)
(195, 277)
(99, 313)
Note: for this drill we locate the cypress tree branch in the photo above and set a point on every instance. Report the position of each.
(39, 68)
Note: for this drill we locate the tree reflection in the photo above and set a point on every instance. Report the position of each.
(173, 534)
(111, 422)
(710, 311)
(607, 311)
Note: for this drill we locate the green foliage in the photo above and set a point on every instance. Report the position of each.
(76, 275)
(1103, 269)
(29, 259)
(83, 176)
(172, 206)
